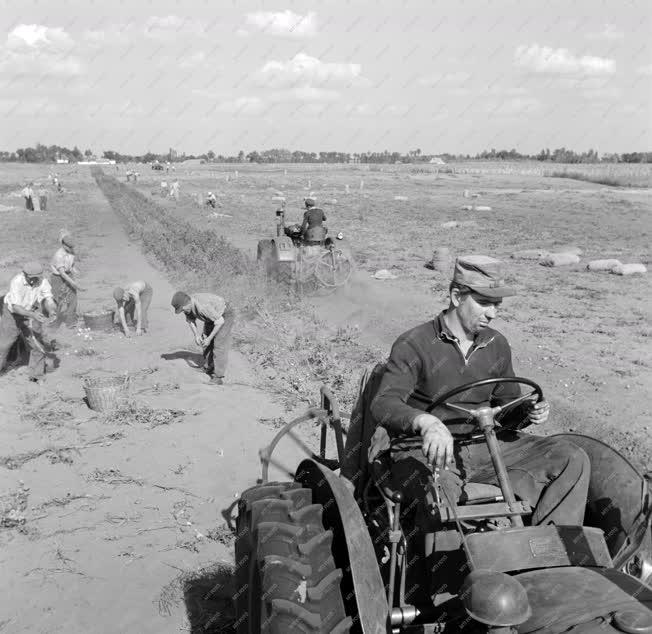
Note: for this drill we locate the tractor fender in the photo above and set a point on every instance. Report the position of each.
(619, 498)
(285, 251)
(365, 596)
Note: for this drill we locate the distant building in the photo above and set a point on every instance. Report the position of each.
(437, 161)
(62, 160)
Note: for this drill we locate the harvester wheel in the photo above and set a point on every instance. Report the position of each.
(333, 268)
(286, 576)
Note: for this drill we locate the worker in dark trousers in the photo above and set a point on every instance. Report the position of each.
(28, 296)
(218, 318)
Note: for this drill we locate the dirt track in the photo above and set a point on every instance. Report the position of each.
(128, 509)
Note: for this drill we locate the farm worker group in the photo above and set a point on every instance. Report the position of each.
(35, 202)
(32, 300)
(455, 348)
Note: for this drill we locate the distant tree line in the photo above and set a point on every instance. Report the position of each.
(49, 154)
(562, 155)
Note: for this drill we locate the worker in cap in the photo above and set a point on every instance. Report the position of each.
(218, 318)
(211, 200)
(132, 303)
(28, 304)
(313, 230)
(457, 347)
(62, 278)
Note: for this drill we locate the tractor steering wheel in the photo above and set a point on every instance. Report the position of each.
(442, 400)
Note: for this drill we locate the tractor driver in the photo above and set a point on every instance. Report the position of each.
(313, 230)
(456, 348)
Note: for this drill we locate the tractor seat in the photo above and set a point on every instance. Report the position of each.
(471, 492)
(477, 492)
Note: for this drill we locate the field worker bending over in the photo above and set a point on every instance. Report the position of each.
(133, 303)
(218, 318)
(457, 347)
(22, 316)
(64, 286)
(211, 200)
(312, 228)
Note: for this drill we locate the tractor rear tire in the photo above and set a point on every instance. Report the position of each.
(285, 573)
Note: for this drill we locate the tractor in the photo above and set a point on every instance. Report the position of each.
(325, 553)
(290, 260)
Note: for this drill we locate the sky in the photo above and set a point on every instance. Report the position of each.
(341, 75)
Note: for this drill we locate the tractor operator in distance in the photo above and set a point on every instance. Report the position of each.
(313, 230)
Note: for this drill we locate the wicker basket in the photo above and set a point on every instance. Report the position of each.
(104, 394)
(99, 320)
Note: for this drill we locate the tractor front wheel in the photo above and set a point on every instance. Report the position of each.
(286, 576)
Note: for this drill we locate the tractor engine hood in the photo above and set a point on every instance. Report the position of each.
(561, 598)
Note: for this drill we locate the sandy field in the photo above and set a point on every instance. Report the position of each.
(121, 523)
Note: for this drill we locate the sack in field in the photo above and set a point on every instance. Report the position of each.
(529, 254)
(559, 259)
(602, 265)
(629, 269)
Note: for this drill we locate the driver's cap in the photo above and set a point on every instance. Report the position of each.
(483, 275)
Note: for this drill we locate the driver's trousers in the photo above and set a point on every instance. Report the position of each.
(550, 474)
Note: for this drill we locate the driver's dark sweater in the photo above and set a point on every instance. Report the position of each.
(426, 362)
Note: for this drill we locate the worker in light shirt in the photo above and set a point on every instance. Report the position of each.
(22, 317)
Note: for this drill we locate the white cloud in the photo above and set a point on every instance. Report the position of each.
(644, 70)
(34, 49)
(448, 78)
(544, 59)
(242, 33)
(38, 36)
(283, 23)
(304, 69)
(608, 32)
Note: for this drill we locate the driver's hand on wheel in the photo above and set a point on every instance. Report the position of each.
(539, 412)
(437, 440)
